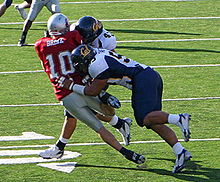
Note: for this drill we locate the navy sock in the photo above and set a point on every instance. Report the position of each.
(127, 153)
(60, 145)
(119, 123)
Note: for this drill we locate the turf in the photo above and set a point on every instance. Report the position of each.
(100, 162)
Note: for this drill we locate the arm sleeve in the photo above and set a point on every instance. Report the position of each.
(37, 48)
(110, 43)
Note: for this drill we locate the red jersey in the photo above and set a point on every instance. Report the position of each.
(54, 54)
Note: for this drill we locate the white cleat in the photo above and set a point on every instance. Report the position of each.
(183, 123)
(53, 152)
(125, 131)
(22, 12)
(181, 159)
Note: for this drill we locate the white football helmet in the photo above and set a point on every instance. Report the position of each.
(58, 24)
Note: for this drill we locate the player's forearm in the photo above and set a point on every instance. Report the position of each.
(85, 90)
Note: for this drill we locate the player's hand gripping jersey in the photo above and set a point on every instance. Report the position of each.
(118, 69)
(55, 56)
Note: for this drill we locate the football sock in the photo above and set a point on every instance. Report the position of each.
(132, 156)
(173, 118)
(127, 153)
(61, 143)
(116, 122)
(177, 148)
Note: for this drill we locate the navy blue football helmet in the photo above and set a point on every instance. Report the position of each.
(81, 58)
(89, 28)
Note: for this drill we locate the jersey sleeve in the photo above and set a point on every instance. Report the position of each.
(110, 43)
(108, 40)
(98, 67)
(37, 48)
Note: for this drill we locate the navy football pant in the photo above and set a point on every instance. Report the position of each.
(146, 94)
(7, 3)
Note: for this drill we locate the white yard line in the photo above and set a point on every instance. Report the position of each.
(89, 144)
(185, 66)
(168, 40)
(168, 66)
(26, 136)
(137, 1)
(16, 72)
(136, 19)
(122, 101)
(140, 41)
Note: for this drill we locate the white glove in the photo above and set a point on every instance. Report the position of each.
(61, 81)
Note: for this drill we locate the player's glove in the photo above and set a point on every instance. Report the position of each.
(66, 83)
(86, 79)
(109, 99)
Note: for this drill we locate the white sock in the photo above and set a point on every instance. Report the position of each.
(114, 120)
(64, 140)
(177, 148)
(20, 7)
(173, 118)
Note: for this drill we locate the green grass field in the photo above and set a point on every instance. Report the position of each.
(100, 163)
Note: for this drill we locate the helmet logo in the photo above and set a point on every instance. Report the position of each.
(95, 26)
(85, 51)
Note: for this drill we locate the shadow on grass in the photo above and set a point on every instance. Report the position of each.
(111, 167)
(21, 28)
(165, 49)
(149, 32)
(192, 172)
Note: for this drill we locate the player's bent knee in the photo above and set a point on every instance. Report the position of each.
(108, 110)
(147, 121)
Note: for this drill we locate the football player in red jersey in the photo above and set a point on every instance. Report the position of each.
(55, 53)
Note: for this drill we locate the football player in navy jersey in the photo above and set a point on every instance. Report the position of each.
(147, 87)
(94, 34)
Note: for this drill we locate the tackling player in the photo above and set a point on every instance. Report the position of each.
(54, 53)
(147, 87)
